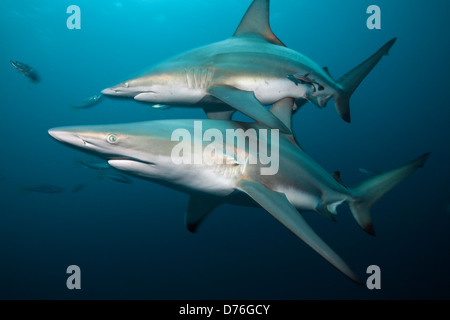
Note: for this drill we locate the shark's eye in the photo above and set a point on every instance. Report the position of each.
(112, 138)
(126, 85)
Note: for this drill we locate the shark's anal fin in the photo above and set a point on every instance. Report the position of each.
(199, 206)
(256, 22)
(245, 102)
(279, 207)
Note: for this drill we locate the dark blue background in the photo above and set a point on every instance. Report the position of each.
(130, 240)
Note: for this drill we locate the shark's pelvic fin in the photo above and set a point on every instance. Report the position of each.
(279, 207)
(367, 193)
(351, 80)
(324, 211)
(283, 109)
(219, 112)
(256, 22)
(199, 206)
(245, 102)
(300, 102)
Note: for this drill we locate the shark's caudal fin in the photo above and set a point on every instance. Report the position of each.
(351, 80)
(367, 193)
(256, 22)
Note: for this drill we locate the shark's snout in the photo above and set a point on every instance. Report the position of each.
(121, 91)
(66, 137)
(109, 91)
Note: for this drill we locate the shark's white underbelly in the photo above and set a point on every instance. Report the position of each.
(269, 91)
(207, 181)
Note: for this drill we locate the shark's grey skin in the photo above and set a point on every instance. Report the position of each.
(251, 69)
(145, 150)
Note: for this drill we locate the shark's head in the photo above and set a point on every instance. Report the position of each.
(157, 87)
(130, 88)
(139, 148)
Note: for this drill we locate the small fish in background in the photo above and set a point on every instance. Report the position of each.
(94, 164)
(160, 106)
(87, 102)
(79, 187)
(44, 188)
(28, 71)
(115, 177)
(369, 172)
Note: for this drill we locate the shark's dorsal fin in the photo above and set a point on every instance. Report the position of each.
(256, 22)
(337, 176)
(199, 206)
(327, 71)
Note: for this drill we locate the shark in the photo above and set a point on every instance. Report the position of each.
(146, 150)
(246, 72)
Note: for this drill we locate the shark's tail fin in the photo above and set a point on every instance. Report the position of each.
(367, 193)
(351, 80)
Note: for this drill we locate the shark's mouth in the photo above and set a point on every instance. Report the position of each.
(121, 158)
(130, 166)
(124, 91)
(120, 90)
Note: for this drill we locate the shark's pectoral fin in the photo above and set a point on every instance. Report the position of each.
(199, 206)
(279, 206)
(245, 102)
(256, 22)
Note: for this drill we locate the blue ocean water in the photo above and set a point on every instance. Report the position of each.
(130, 240)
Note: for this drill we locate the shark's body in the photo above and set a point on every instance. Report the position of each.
(250, 70)
(146, 150)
